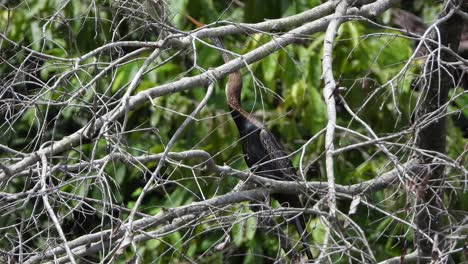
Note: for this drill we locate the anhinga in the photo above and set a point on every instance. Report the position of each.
(263, 153)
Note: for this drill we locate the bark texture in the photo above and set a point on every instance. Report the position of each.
(432, 133)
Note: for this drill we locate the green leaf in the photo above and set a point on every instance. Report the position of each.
(143, 85)
(238, 233)
(120, 174)
(353, 30)
(298, 92)
(36, 34)
(137, 192)
(251, 228)
(316, 116)
(269, 65)
(318, 233)
(124, 76)
(153, 244)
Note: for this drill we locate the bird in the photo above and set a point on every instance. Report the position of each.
(263, 152)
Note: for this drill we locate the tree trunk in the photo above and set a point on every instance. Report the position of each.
(431, 135)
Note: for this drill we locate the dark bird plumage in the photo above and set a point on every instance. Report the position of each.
(263, 153)
(265, 156)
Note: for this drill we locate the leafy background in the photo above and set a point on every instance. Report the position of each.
(286, 93)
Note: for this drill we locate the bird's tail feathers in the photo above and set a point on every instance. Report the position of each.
(299, 221)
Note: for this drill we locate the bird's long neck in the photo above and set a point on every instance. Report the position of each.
(233, 93)
(234, 84)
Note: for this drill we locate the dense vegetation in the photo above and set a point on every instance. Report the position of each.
(48, 94)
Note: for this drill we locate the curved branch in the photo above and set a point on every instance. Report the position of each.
(203, 79)
(270, 187)
(164, 216)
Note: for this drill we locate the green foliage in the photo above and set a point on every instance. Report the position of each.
(286, 93)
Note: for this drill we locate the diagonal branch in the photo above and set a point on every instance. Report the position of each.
(203, 79)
